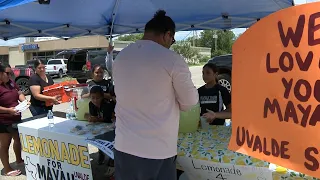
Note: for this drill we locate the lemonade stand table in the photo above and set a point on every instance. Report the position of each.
(56, 153)
(212, 145)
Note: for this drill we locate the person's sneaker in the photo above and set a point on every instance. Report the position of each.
(110, 172)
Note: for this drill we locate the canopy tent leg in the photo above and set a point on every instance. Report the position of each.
(109, 61)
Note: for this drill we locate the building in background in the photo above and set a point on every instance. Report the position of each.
(45, 48)
(4, 54)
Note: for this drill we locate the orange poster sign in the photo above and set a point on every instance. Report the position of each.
(276, 90)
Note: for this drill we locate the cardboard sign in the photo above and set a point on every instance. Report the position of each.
(51, 155)
(105, 146)
(58, 90)
(206, 170)
(276, 90)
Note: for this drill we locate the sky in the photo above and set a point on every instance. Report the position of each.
(179, 35)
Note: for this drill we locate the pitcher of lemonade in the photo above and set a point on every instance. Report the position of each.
(189, 120)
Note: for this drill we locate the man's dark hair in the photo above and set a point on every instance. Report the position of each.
(37, 63)
(96, 67)
(96, 90)
(212, 66)
(3, 67)
(160, 24)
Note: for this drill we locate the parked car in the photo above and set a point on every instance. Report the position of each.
(21, 75)
(57, 67)
(224, 63)
(81, 62)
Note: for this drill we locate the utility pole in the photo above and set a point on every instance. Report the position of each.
(215, 37)
(193, 38)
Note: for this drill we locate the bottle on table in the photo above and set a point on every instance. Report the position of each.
(70, 112)
(50, 119)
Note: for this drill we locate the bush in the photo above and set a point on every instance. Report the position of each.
(203, 59)
(184, 49)
(218, 53)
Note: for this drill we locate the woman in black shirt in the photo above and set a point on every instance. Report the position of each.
(106, 85)
(37, 82)
(213, 96)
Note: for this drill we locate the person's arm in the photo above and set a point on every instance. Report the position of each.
(226, 98)
(8, 110)
(185, 91)
(86, 92)
(87, 95)
(108, 93)
(35, 90)
(21, 95)
(225, 114)
(107, 96)
(112, 93)
(93, 113)
(34, 84)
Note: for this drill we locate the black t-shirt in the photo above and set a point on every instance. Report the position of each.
(106, 85)
(36, 80)
(213, 99)
(105, 111)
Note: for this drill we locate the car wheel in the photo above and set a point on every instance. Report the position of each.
(225, 81)
(23, 85)
(60, 73)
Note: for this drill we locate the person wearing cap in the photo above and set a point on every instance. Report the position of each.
(152, 84)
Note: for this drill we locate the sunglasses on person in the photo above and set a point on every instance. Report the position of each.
(173, 41)
(8, 73)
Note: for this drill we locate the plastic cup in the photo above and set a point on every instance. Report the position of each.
(204, 123)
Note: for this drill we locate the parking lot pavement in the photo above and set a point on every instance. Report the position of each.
(196, 72)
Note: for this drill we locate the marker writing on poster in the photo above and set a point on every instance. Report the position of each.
(302, 114)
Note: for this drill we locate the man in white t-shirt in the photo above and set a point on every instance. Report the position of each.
(152, 84)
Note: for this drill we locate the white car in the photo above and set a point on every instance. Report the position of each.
(57, 67)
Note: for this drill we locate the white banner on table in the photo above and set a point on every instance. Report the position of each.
(105, 146)
(206, 170)
(51, 155)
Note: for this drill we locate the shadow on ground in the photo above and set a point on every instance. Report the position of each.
(98, 171)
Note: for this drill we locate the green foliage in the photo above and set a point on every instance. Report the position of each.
(218, 53)
(203, 59)
(68, 78)
(224, 41)
(190, 54)
(131, 37)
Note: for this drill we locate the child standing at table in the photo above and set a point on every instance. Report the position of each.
(98, 79)
(101, 110)
(213, 96)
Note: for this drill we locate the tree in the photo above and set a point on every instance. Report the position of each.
(130, 37)
(184, 49)
(225, 40)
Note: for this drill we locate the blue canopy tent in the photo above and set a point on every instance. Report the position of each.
(71, 18)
